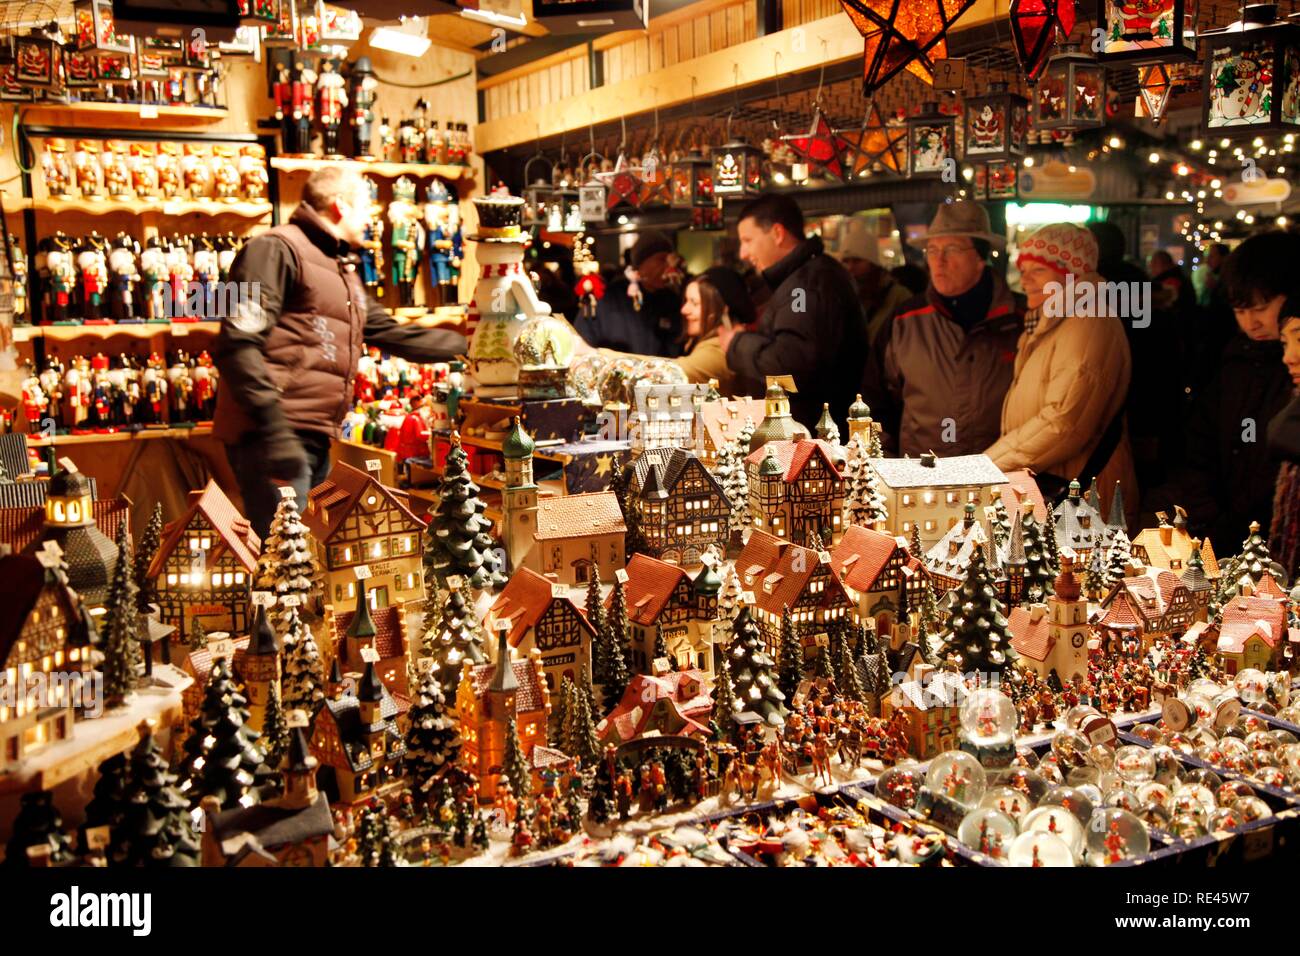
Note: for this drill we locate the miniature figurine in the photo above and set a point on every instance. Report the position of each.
(408, 141)
(282, 92)
(304, 81)
(94, 280)
(54, 166)
(252, 171)
(154, 276)
(332, 99)
(61, 277)
(224, 174)
(85, 163)
(144, 170)
(361, 98)
(18, 265)
(386, 139)
(407, 240)
(372, 246)
(169, 177)
(196, 171)
(122, 281)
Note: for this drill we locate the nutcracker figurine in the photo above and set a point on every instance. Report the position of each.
(123, 277)
(304, 82)
(228, 247)
(205, 376)
(94, 283)
(422, 132)
(407, 240)
(52, 384)
(196, 171)
(18, 265)
(54, 165)
(282, 92)
(386, 138)
(169, 170)
(204, 262)
(77, 389)
(152, 410)
(144, 170)
(100, 398)
(361, 99)
(35, 404)
(175, 88)
(372, 245)
(85, 165)
(181, 388)
(332, 99)
(154, 275)
(224, 174)
(116, 177)
(437, 223)
(409, 142)
(61, 276)
(179, 275)
(252, 172)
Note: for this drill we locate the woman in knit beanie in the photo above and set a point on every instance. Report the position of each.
(1063, 416)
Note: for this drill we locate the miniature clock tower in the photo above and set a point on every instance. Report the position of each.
(1068, 623)
(519, 500)
(261, 666)
(860, 421)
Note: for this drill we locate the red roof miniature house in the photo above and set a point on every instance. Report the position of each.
(927, 710)
(356, 520)
(1169, 546)
(674, 702)
(681, 509)
(1020, 488)
(542, 616)
(576, 533)
(879, 574)
(662, 598)
(204, 564)
(1254, 634)
(724, 420)
(381, 628)
(795, 490)
(45, 640)
(489, 696)
(785, 575)
(1053, 636)
(357, 741)
(1141, 608)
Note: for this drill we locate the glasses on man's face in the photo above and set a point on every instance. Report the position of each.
(946, 252)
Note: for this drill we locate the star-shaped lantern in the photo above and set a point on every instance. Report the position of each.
(624, 184)
(819, 147)
(902, 34)
(1033, 24)
(872, 147)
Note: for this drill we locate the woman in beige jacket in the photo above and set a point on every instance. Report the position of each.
(1072, 369)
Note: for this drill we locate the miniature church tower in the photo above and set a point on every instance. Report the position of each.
(859, 421)
(260, 668)
(1067, 625)
(299, 772)
(519, 500)
(370, 695)
(766, 494)
(777, 423)
(361, 631)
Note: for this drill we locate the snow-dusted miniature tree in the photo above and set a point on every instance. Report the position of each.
(287, 565)
(459, 539)
(753, 672)
(120, 631)
(304, 670)
(432, 738)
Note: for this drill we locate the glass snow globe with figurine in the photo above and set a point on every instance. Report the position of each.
(988, 726)
(954, 785)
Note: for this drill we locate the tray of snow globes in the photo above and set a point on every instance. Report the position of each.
(1090, 795)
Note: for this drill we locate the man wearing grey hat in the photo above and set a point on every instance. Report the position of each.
(940, 368)
(641, 312)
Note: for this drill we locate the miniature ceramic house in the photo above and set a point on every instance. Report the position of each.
(777, 423)
(931, 493)
(677, 703)
(784, 575)
(382, 629)
(796, 491)
(664, 416)
(204, 564)
(949, 559)
(542, 616)
(681, 509)
(1080, 525)
(879, 575)
(927, 710)
(1141, 608)
(664, 601)
(578, 535)
(1169, 546)
(197, 665)
(1053, 636)
(722, 422)
(356, 739)
(356, 520)
(260, 667)
(1254, 633)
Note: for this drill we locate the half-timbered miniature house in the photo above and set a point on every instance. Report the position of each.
(781, 575)
(664, 415)
(542, 616)
(1021, 488)
(380, 628)
(1080, 525)
(1053, 636)
(722, 422)
(1141, 608)
(356, 520)
(662, 599)
(930, 493)
(949, 560)
(578, 533)
(676, 703)
(681, 509)
(204, 564)
(45, 641)
(357, 741)
(796, 491)
(879, 575)
(1169, 546)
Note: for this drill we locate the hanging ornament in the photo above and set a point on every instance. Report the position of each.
(1252, 70)
(1033, 24)
(1147, 31)
(1071, 94)
(624, 184)
(931, 137)
(996, 125)
(1154, 86)
(818, 147)
(902, 34)
(872, 147)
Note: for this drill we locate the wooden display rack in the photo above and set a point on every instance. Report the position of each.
(137, 114)
(381, 168)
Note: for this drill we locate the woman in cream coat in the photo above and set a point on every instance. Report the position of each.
(1072, 369)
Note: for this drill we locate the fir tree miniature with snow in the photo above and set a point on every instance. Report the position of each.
(121, 628)
(304, 671)
(432, 736)
(459, 539)
(222, 755)
(979, 639)
(453, 636)
(753, 672)
(287, 564)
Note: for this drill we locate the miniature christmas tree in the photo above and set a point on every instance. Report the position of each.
(615, 650)
(724, 698)
(222, 755)
(850, 684)
(454, 639)
(753, 672)
(586, 689)
(156, 829)
(376, 835)
(1254, 560)
(600, 805)
(275, 732)
(634, 541)
(1038, 564)
(120, 631)
(822, 668)
(304, 671)
(459, 539)
(730, 473)
(432, 737)
(1117, 558)
(108, 803)
(146, 592)
(914, 543)
(514, 765)
(198, 636)
(1095, 581)
(1001, 523)
(979, 638)
(789, 656)
(38, 824)
(580, 740)
(661, 646)
(1053, 546)
(729, 595)
(864, 503)
(594, 608)
(287, 564)
(559, 719)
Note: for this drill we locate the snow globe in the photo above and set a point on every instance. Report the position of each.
(1135, 764)
(900, 785)
(1116, 836)
(1251, 686)
(987, 831)
(1039, 848)
(1009, 802)
(1073, 799)
(1058, 821)
(954, 785)
(543, 351)
(988, 726)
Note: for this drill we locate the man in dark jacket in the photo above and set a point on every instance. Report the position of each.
(641, 316)
(811, 328)
(940, 368)
(288, 356)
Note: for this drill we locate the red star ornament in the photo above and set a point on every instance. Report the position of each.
(819, 146)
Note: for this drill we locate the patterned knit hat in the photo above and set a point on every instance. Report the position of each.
(1063, 247)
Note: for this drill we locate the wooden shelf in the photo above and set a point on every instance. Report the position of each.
(198, 431)
(290, 164)
(137, 207)
(493, 444)
(67, 333)
(147, 114)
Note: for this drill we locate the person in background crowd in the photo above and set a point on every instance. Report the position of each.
(555, 285)
(1174, 290)
(1229, 476)
(288, 361)
(1218, 325)
(811, 328)
(1064, 413)
(879, 294)
(940, 367)
(1212, 289)
(911, 277)
(1284, 442)
(714, 299)
(640, 311)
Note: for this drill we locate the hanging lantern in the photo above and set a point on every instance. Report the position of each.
(37, 59)
(1154, 87)
(737, 169)
(538, 197)
(94, 28)
(996, 125)
(872, 147)
(692, 179)
(1071, 94)
(930, 141)
(817, 148)
(1151, 31)
(591, 201)
(1002, 180)
(1033, 23)
(902, 34)
(624, 184)
(1252, 74)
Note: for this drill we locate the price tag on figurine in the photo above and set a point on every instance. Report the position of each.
(296, 718)
(1099, 730)
(823, 557)
(950, 75)
(1177, 715)
(97, 838)
(558, 590)
(221, 645)
(362, 571)
(263, 599)
(501, 625)
(1226, 714)
(148, 111)
(369, 655)
(424, 665)
(822, 640)
(287, 492)
(455, 582)
(621, 576)
(374, 465)
(291, 600)
(67, 464)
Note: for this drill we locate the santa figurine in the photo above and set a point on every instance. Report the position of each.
(85, 165)
(168, 167)
(144, 170)
(35, 404)
(117, 178)
(252, 171)
(413, 436)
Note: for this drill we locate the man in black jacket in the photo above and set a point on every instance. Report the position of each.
(642, 316)
(811, 328)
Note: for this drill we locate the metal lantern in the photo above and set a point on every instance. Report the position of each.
(692, 179)
(1147, 32)
(37, 60)
(1033, 23)
(931, 138)
(1252, 74)
(737, 169)
(1071, 93)
(1002, 180)
(591, 201)
(94, 28)
(538, 196)
(996, 125)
